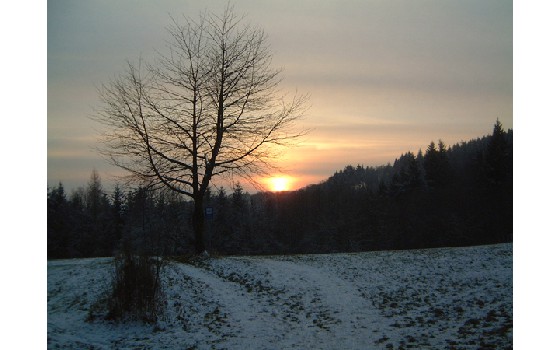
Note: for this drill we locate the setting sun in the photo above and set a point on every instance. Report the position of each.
(279, 183)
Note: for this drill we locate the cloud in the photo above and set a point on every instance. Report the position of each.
(385, 77)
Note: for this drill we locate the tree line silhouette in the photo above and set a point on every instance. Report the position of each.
(443, 196)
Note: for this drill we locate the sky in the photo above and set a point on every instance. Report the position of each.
(384, 77)
(56, 52)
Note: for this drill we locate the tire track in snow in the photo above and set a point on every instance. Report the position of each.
(294, 305)
(348, 318)
(443, 298)
(246, 319)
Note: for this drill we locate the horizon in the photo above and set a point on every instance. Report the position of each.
(385, 77)
(268, 182)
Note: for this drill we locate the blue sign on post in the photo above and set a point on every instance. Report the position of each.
(209, 213)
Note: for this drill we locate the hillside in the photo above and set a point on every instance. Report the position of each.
(444, 197)
(436, 298)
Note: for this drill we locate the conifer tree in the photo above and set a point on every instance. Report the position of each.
(57, 223)
(431, 161)
(436, 165)
(496, 160)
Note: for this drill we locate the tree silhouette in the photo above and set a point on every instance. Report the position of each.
(210, 106)
(497, 156)
(436, 165)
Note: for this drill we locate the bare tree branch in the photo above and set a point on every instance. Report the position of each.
(210, 105)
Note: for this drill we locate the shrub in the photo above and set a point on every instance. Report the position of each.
(136, 289)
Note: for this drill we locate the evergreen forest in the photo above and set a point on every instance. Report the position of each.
(457, 195)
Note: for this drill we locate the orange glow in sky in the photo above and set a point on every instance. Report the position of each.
(279, 183)
(410, 75)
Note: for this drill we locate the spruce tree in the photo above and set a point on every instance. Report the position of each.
(431, 160)
(496, 160)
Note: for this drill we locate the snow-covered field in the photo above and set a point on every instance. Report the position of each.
(453, 298)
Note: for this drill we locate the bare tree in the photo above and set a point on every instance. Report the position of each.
(209, 105)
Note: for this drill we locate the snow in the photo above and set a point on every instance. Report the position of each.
(435, 298)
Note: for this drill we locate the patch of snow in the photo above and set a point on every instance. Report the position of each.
(435, 298)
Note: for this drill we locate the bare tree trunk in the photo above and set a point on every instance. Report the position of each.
(198, 224)
(211, 107)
